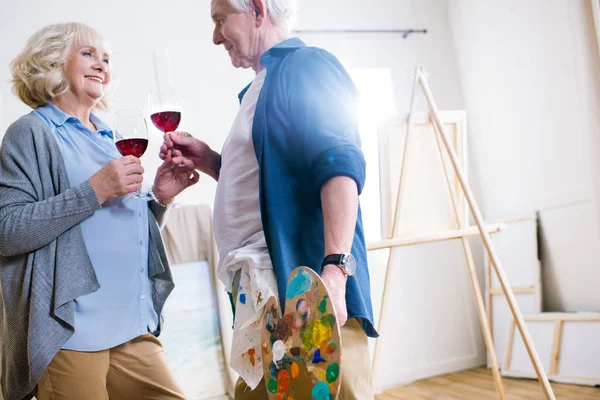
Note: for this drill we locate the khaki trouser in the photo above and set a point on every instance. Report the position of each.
(134, 370)
(356, 368)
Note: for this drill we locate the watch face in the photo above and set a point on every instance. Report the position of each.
(349, 264)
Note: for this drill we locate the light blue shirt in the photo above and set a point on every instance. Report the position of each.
(116, 239)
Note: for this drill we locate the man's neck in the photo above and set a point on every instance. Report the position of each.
(272, 37)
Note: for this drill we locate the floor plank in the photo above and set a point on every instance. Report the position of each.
(478, 384)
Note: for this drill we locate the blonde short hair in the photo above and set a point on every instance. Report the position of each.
(38, 71)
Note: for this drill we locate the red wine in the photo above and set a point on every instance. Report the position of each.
(166, 121)
(132, 147)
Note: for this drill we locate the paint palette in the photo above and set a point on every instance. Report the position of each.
(302, 350)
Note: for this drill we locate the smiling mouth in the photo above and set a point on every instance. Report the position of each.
(230, 47)
(95, 79)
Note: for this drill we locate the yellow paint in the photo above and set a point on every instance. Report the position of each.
(320, 374)
(320, 332)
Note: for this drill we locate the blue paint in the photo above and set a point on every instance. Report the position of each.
(273, 369)
(317, 357)
(321, 391)
(243, 298)
(299, 284)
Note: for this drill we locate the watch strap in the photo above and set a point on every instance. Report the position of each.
(335, 259)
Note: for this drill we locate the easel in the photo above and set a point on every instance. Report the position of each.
(461, 233)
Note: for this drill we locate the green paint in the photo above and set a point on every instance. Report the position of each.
(272, 385)
(323, 305)
(328, 320)
(306, 336)
(333, 371)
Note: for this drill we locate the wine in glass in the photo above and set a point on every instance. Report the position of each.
(165, 109)
(131, 138)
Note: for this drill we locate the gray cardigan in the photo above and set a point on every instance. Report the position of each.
(44, 264)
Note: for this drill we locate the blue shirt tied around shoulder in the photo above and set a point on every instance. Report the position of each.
(305, 132)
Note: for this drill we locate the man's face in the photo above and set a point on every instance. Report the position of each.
(237, 33)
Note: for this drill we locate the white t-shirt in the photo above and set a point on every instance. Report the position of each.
(238, 227)
(241, 240)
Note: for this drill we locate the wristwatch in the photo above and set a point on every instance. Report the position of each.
(344, 261)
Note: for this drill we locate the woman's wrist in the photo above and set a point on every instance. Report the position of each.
(160, 198)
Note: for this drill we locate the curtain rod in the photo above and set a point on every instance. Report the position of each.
(404, 32)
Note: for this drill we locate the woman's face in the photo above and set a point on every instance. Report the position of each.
(88, 72)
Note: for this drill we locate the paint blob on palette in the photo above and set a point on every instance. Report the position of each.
(302, 350)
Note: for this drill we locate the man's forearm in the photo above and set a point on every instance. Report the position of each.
(339, 201)
(214, 165)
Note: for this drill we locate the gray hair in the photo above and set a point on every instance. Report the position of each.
(282, 12)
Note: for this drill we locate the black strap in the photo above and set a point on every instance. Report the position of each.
(335, 259)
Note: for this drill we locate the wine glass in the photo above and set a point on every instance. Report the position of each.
(165, 109)
(131, 138)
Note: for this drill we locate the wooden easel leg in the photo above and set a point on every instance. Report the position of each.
(485, 326)
(396, 216)
(487, 241)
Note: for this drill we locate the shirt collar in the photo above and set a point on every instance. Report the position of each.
(282, 48)
(102, 128)
(59, 118)
(277, 51)
(55, 114)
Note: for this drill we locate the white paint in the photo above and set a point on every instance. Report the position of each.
(278, 351)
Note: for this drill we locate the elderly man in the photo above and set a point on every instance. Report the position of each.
(288, 177)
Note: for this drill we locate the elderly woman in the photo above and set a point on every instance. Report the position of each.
(83, 273)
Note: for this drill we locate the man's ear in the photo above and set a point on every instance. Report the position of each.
(259, 9)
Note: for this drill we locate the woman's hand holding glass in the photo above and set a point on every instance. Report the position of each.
(119, 177)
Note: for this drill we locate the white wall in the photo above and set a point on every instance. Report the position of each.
(529, 76)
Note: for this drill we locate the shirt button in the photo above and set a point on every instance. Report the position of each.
(141, 270)
(140, 243)
(140, 214)
(143, 296)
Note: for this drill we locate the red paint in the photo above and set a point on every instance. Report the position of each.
(330, 349)
(251, 353)
(283, 380)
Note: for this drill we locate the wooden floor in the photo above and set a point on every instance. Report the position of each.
(478, 384)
